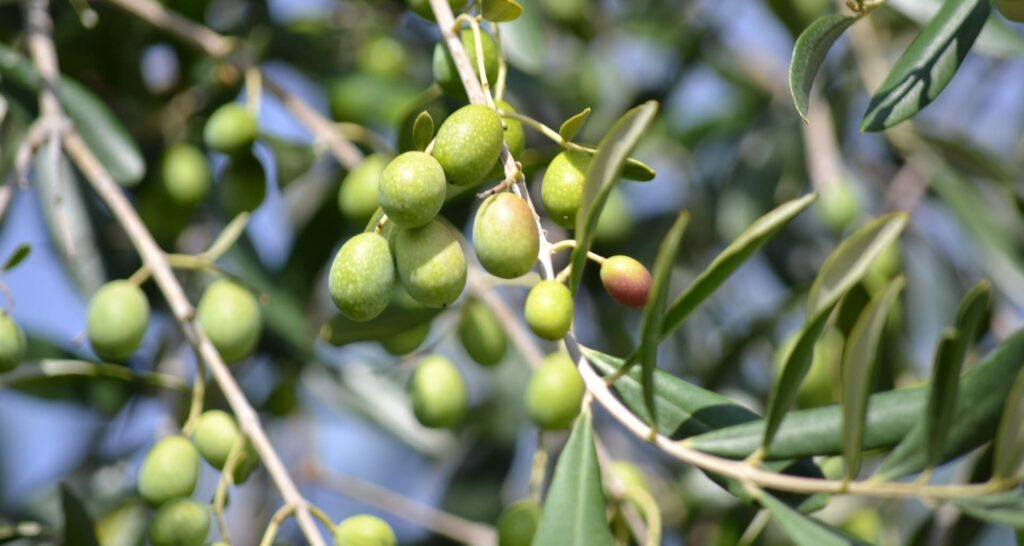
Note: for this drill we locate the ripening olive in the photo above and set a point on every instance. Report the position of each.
(468, 144)
(447, 76)
(518, 523)
(364, 530)
(243, 184)
(482, 334)
(561, 189)
(422, 7)
(12, 343)
(117, 320)
(407, 340)
(185, 174)
(215, 434)
(554, 393)
(626, 280)
(549, 309)
(412, 189)
(231, 129)
(230, 316)
(357, 196)
(169, 471)
(1011, 9)
(361, 276)
(505, 236)
(515, 139)
(430, 264)
(439, 397)
(838, 205)
(183, 522)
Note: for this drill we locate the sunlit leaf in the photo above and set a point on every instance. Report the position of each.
(573, 125)
(809, 52)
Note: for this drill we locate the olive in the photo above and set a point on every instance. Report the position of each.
(518, 523)
(482, 334)
(215, 434)
(185, 174)
(230, 316)
(439, 397)
(431, 264)
(626, 280)
(182, 522)
(117, 319)
(231, 129)
(554, 393)
(505, 236)
(364, 530)
(361, 276)
(549, 309)
(170, 470)
(12, 343)
(561, 189)
(243, 184)
(468, 144)
(412, 189)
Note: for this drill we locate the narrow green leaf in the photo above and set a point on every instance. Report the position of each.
(573, 125)
(804, 530)
(928, 64)
(997, 39)
(942, 394)
(422, 131)
(637, 171)
(501, 11)
(394, 320)
(1002, 508)
(17, 256)
(601, 177)
(848, 264)
(730, 259)
(857, 367)
(973, 311)
(809, 52)
(1009, 446)
(574, 510)
(650, 331)
(78, 526)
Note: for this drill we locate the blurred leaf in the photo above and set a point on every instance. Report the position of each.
(394, 320)
(730, 259)
(422, 131)
(928, 64)
(78, 526)
(524, 40)
(801, 529)
(858, 365)
(601, 177)
(650, 331)
(848, 264)
(974, 309)
(228, 236)
(996, 38)
(501, 11)
(17, 256)
(942, 394)
(574, 510)
(810, 50)
(1009, 443)
(573, 125)
(1002, 508)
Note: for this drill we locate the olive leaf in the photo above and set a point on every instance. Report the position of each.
(1002, 508)
(809, 52)
(16, 257)
(501, 11)
(78, 526)
(422, 131)
(802, 529)
(1009, 443)
(340, 330)
(573, 125)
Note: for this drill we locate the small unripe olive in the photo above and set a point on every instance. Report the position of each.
(554, 393)
(412, 189)
(482, 334)
(561, 189)
(231, 129)
(468, 144)
(364, 530)
(439, 397)
(185, 174)
(357, 196)
(1011, 9)
(447, 76)
(182, 522)
(169, 471)
(505, 236)
(518, 523)
(361, 276)
(117, 320)
(382, 55)
(243, 184)
(626, 280)
(629, 475)
(370, 98)
(215, 434)
(422, 7)
(515, 139)
(431, 264)
(12, 343)
(838, 205)
(549, 309)
(230, 316)
(406, 341)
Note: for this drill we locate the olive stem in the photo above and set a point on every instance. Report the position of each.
(227, 479)
(567, 244)
(380, 224)
(324, 518)
(539, 469)
(499, 86)
(195, 408)
(279, 517)
(481, 67)
(358, 133)
(504, 184)
(253, 90)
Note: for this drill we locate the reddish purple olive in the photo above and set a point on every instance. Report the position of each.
(626, 280)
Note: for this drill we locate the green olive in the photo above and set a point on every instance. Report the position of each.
(505, 236)
(185, 174)
(370, 98)
(447, 76)
(170, 470)
(357, 196)
(838, 205)
(361, 276)
(412, 189)
(629, 475)
(406, 341)
(439, 396)
(231, 129)
(243, 184)
(518, 523)
(561, 189)
(12, 343)
(554, 393)
(1011, 9)
(215, 434)
(182, 522)
(382, 55)
(515, 139)
(431, 264)
(482, 334)
(626, 280)
(364, 530)
(468, 144)
(230, 316)
(549, 309)
(422, 7)
(117, 319)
